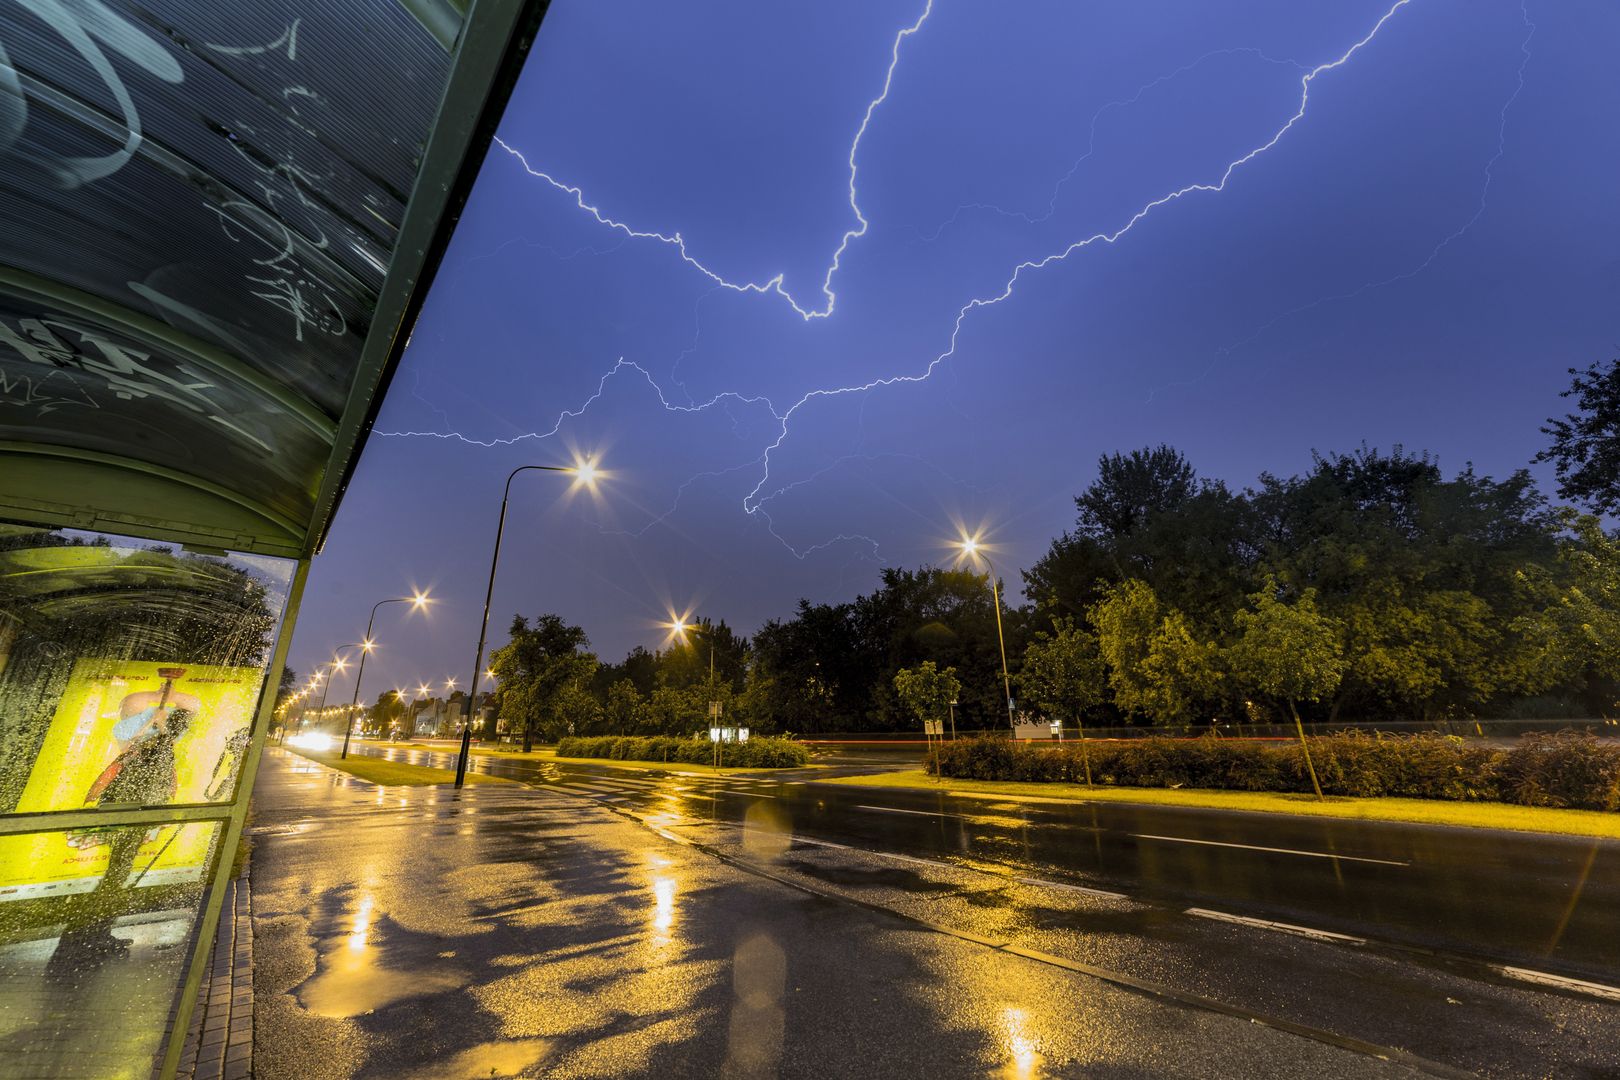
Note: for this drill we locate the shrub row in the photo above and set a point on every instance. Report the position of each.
(1566, 769)
(756, 753)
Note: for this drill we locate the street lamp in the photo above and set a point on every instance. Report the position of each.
(584, 473)
(972, 549)
(418, 601)
(337, 663)
(679, 627)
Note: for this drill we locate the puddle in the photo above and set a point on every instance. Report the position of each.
(350, 981)
(352, 986)
(488, 1062)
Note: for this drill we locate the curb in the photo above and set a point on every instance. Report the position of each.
(219, 1045)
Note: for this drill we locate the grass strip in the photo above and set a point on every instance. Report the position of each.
(380, 771)
(548, 754)
(1480, 815)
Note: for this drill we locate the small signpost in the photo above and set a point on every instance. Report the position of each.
(719, 736)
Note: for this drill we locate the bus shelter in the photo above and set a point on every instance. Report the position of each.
(217, 224)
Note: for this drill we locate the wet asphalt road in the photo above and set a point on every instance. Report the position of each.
(1062, 940)
(1546, 902)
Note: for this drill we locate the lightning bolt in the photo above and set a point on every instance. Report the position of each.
(776, 284)
(1434, 253)
(753, 502)
(1091, 141)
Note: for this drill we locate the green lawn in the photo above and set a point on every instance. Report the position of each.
(379, 771)
(1422, 811)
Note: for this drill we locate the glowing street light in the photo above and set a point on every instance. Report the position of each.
(586, 474)
(972, 549)
(418, 601)
(338, 664)
(681, 628)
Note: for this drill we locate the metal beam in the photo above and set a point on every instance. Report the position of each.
(146, 468)
(60, 820)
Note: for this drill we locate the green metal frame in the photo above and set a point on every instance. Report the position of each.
(225, 851)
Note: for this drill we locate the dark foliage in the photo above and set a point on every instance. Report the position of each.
(1568, 769)
(1585, 449)
(756, 753)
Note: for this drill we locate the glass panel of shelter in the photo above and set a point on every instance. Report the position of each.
(130, 679)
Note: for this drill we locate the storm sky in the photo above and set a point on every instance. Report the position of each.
(1288, 227)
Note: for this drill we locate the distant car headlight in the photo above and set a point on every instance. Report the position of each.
(311, 740)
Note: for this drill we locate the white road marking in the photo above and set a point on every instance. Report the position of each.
(1562, 982)
(875, 854)
(1269, 924)
(1274, 850)
(1103, 893)
(897, 810)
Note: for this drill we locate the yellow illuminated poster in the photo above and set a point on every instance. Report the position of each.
(131, 733)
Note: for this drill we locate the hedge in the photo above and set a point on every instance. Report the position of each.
(756, 753)
(1566, 769)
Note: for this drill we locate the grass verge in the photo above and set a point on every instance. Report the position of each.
(662, 766)
(549, 754)
(1419, 811)
(379, 771)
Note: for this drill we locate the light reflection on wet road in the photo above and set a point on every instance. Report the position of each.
(609, 950)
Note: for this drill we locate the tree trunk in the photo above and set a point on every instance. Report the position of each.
(1333, 710)
(1305, 746)
(528, 736)
(1085, 752)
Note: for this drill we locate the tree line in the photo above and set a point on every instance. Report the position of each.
(1372, 586)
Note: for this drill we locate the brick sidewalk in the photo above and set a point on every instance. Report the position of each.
(219, 1045)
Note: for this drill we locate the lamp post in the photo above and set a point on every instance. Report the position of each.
(584, 473)
(972, 549)
(340, 664)
(417, 601)
(681, 628)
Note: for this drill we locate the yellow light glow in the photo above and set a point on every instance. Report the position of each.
(341, 665)
(367, 646)
(420, 600)
(424, 689)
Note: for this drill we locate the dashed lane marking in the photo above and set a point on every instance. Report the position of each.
(1286, 928)
(1065, 887)
(1273, 850)
(1561, 982)
(897, 810)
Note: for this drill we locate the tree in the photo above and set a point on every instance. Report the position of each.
(1183, 671)
(1132, 487)
(386, 711)
(576, 712)
(1291, 652)
(1063, 674)
(623, 707)
(927, 692)
(534, 667)
(1585, 449)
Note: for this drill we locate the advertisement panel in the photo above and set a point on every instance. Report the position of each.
(131, 733)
